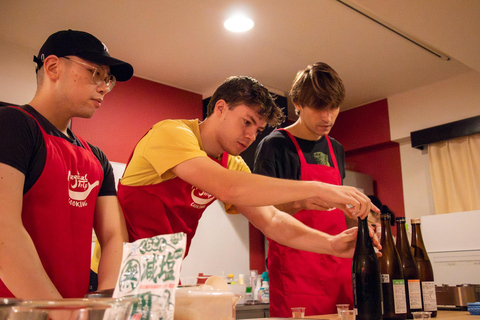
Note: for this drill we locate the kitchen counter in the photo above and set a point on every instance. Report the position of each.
(249, 311)
(442, 315)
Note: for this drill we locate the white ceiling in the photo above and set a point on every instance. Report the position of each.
(182, 43)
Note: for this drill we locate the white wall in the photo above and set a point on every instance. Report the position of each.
(220, 246)
(446, 101)
(17, 76)
(442, 102)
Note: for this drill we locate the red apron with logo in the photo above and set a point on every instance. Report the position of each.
(305, 279)
(58, 214)
(168, 207)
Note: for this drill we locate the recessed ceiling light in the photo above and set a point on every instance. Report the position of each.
(239, 23)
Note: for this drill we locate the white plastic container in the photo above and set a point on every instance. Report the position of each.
(204, 303)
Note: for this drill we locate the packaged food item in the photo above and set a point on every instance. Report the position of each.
(150, 271)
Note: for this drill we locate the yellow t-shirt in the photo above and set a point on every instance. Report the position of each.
(167, 144)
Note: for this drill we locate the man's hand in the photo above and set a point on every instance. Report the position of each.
(348, 199)
(343, 244)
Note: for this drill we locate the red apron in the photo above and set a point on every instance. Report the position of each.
(305, 279)
(58, 214)
(168, 207)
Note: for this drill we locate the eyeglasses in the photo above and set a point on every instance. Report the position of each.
(99, 74)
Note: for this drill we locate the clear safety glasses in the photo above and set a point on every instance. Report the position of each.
(99, 74)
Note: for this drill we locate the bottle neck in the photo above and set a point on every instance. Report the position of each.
(420, 253)
(417, 235)
(401, 230)
(364, 242)
(386, 231)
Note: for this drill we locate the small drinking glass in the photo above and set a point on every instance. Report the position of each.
(348, 314)
(421, 315)
(341, 307)
(16, 314)
(298, 312)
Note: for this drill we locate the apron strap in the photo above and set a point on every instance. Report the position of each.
(299, 151)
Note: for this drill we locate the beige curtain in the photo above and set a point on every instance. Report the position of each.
(455, 174)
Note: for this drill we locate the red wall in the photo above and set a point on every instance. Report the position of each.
(365, 134)
(130, 110)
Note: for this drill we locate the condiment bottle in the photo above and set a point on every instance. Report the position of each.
(410, 272)
(264, 293)
(367, 287)
(241, 279)
(425, 270)
(393, 283)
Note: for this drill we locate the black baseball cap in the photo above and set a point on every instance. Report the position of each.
(86, 46)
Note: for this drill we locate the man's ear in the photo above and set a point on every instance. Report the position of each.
(50, 66)
(297, 107)
(220, 107)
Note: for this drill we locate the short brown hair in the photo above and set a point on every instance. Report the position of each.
(241, 89)
(318, 86)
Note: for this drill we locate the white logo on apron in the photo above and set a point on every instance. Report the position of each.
(79, 188)
(200, 198)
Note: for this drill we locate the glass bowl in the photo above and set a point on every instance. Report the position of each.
(73, 309)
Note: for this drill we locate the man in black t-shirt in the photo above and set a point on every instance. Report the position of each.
(54, 186)
(304, 151)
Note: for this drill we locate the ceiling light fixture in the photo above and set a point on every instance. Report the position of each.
(404, 35)
(238, 23)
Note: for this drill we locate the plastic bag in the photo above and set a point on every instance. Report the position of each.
(150, 272)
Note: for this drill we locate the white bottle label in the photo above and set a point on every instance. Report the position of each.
(399, 296)
(414, 294)
(385, 278)
(429, 296)
(264, 295)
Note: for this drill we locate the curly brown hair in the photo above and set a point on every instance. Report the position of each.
(241, 89)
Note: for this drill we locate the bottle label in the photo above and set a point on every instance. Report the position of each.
(264, 295)
(429, 296)
(399, 296)
(414, 294)
(385, 278)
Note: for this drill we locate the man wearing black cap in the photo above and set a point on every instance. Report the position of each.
(54, 186)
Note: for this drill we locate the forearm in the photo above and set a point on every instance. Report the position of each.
(286, 230)
(290, 232)
(245, 189)
(241, 188)
(21, 269)
(111, 234)
(109, 266)
(290, 207)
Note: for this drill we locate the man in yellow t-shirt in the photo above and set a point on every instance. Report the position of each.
(181, 166)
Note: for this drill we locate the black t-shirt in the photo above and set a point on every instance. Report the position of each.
(22, 146)
(276, 155)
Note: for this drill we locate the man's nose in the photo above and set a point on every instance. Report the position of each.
(326, 115)
(251, 134)
(103, 88)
